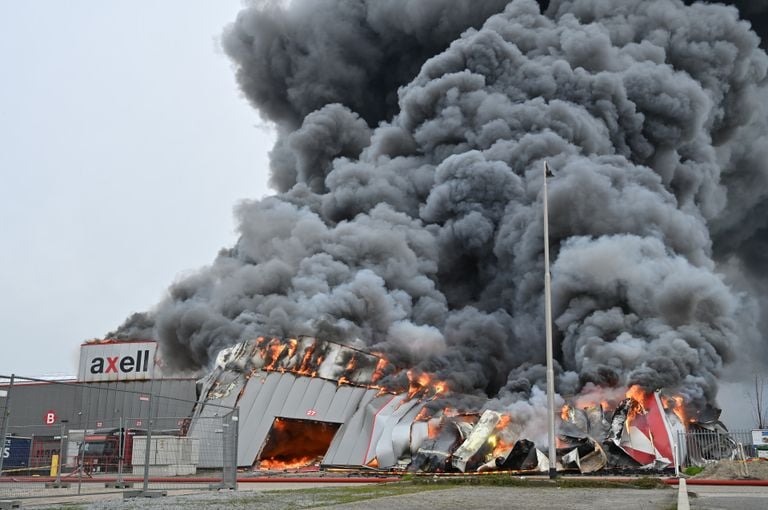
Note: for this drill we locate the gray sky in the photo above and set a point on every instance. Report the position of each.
(124, 144)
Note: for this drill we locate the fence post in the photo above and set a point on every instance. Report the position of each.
(120, 453)
(6, 417)
(148, 444)
(229, 450)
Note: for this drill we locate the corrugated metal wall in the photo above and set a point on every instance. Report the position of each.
(84, 405)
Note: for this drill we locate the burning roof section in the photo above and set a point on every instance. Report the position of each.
(278, 382)
(307, 401)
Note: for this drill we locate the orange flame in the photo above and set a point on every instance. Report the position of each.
(498, 441)
(675, 404)
(274, 349)
(379, 372)
(424, 384)
(274, 464)
(637, 395)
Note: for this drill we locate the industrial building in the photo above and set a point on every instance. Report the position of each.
(118, 384)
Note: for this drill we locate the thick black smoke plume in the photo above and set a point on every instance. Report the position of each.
(408, 171)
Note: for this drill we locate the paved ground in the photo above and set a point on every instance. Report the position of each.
(279, 496)
(458, 498)
(707, 497)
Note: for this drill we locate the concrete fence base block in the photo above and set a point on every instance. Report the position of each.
(6, 504)
(118, 485)
(144, 494)
(57, 485)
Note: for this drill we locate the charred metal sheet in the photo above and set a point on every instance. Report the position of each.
(304, 355)
(585, 455)
(522, 457)
(419, 434)
(435, 453)
(586, 422)
(476, 447)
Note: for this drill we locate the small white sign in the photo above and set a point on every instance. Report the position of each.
(760, 442)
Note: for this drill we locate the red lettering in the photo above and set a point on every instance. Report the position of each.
(111, 365)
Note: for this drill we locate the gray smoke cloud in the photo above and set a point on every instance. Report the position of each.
(407, 217)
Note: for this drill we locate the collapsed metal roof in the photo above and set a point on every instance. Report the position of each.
(312, 390)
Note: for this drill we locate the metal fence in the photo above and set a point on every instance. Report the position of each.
(703, 447)
(71, 438)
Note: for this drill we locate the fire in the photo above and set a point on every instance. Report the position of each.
(636, 393)
(274, 349)
(276, 465)
(379, 372)
(433, 427)
(423, 384)
(675, 404)
(498, 441)
(292, 346)
(306, 365)
(637, 396)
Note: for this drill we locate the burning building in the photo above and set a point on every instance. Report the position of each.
(407, 221)
(305, 401)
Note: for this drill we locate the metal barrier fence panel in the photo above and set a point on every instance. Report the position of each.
(703, 447)
(89, 444)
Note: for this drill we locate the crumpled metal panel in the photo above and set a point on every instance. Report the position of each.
(477, 443)
(388, 450)
(647, 437)
(406, 432)
(351, 444)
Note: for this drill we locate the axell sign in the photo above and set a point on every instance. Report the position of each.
(117, 361)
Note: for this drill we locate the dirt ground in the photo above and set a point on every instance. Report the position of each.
(753, 469)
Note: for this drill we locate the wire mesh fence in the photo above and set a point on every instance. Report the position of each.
(70, 438)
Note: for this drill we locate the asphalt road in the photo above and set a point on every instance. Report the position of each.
(709, 497)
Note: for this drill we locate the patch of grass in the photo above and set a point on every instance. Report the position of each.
(693, 470)
(562, 482)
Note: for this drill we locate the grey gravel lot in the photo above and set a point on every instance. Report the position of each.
(442, 498)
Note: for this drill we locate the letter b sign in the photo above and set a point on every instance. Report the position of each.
(50, 418)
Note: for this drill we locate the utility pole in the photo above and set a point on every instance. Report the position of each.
(548, 329)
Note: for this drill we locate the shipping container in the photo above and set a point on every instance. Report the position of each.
(16, 453)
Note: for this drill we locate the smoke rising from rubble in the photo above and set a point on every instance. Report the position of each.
(408, 172)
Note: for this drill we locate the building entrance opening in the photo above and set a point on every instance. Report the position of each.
(295, 443)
